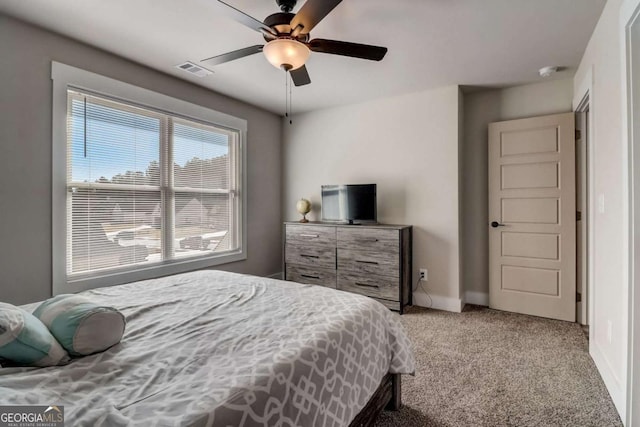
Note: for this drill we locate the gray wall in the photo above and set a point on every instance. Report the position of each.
(601, 68)
(480, 109)
(25, 155)
(408, 146)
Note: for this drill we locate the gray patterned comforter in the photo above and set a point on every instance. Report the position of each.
(223, 349)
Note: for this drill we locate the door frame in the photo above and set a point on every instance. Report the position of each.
(583, 102)
(630, 17)
(582, 234)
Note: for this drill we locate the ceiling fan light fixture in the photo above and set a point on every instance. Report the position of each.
(287, 53)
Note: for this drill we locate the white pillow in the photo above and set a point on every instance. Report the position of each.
(81, 326)
(26, 341)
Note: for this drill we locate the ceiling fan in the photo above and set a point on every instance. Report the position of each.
(288, 41)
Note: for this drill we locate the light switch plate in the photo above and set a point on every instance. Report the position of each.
(601, 203)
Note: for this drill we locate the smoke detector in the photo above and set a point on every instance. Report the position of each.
(547, 71)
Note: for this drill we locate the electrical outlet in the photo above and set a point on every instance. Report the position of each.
(424, 276)
(609, 330)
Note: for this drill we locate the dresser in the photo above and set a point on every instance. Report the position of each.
(371, 260)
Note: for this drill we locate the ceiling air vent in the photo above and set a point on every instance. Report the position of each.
(194, 69)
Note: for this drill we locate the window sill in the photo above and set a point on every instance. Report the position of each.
(144, 272)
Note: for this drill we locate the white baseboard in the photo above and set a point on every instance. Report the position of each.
(610, 379)
(277, 275)
(476, 298)
(437, 302)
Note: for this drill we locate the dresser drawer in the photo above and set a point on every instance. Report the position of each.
(370, 285)
(370, 239)
(310, 256)
(305, 235)
(392, 305)
(384, 264)
(315, 276)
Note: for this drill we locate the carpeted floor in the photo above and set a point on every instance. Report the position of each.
(491, 368)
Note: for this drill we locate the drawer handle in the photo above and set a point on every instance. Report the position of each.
(308, 276)
(309, 256)
(366, 285)
(367, 262)
(313, 236)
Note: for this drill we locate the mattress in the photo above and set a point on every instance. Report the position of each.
(217, 348)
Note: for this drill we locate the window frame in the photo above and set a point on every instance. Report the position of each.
(66, 78)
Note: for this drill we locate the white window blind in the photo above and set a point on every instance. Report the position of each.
(146, 187)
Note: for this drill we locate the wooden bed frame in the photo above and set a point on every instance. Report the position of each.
(387, 396)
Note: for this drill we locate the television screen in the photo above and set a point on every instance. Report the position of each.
(349, 203)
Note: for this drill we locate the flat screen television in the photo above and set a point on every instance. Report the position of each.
(352, 204)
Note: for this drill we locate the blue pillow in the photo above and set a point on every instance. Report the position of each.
(81, 326)
(24, 340)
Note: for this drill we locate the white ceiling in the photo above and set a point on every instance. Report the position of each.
(431, 43)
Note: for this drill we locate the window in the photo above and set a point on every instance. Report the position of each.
(147, 192)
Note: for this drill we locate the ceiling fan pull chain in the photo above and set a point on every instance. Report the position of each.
(286, 101)
(290, 102)
(287, 96)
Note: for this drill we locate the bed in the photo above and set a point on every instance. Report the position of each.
(217, 348)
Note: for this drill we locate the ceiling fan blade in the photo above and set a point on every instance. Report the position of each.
(356, 50)
(248, 21)
(236, 54)
(300, 76)
(312, 12)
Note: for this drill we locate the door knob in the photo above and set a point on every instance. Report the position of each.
(496, 224)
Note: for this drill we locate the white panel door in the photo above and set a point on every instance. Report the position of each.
(532, 234)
